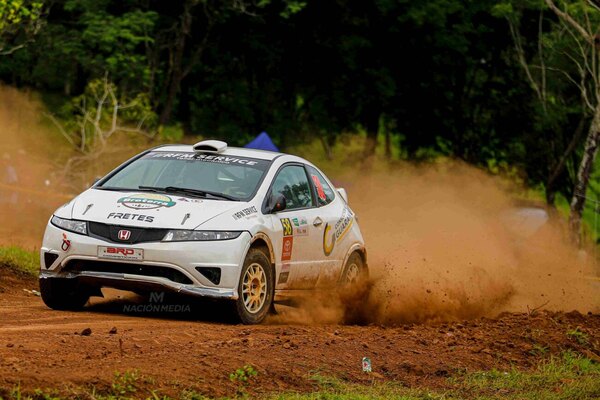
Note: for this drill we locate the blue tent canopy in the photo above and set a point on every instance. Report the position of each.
(262, 142)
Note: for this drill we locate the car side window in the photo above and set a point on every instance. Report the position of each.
(325, 194)
(292, 183)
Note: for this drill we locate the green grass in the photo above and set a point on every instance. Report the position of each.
(20, 260)
(568, 376)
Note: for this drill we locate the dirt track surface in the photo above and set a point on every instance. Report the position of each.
(41, 348)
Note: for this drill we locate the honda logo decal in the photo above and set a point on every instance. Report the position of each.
(124, 234)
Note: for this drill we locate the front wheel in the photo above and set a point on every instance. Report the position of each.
(255, 288)
(63, 294)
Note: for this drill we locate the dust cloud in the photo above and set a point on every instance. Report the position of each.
(444, 241)
(30, 152)
(450, 242)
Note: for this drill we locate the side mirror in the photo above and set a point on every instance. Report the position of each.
(278, 204)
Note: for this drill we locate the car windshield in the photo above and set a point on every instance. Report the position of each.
(193, 174)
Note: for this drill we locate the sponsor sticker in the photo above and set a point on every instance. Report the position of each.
(146, 201)
(301, 231)
(288, 229)
(120, 253)
(131, 216)
(286, 251)
(285, 273)
(341, 227)
(283, 277)
(246, 212)
(319, 186)
(184, 200)
(212, 158)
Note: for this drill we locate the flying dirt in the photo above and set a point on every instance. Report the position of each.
(448, 242)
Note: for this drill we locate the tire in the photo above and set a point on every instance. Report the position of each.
(255, 289)
(63, 294)
(355, 271)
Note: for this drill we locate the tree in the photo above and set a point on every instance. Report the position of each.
(580, 19)
(20, 21)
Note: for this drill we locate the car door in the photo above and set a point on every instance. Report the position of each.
(292, 238)
(336, 219)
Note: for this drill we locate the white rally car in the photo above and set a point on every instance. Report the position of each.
(204, 220)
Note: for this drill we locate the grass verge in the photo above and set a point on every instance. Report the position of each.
(568, 376)
(19, 260)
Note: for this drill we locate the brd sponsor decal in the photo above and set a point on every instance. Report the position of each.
(339, 230)
(146, 201)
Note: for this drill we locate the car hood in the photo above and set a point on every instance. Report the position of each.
(149, 210)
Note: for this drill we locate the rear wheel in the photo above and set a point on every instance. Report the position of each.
(255, 288)
(63, 294)
(355, 271)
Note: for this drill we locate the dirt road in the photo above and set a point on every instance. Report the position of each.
(41, 348)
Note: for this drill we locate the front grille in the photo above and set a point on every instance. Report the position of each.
(126, 268)
(138, 235)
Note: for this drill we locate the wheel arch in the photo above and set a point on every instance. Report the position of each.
(261, 240)
(362, 252)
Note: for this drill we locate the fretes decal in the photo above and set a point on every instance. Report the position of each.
(133, 217)
(342, 226)
(146, 201)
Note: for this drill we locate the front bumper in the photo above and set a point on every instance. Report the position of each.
(183, 257)
(134, 282)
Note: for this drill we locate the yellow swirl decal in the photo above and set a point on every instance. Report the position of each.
(342, 226)
(328, 248)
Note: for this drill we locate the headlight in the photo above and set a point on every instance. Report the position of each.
(184, 236)
(70, 225)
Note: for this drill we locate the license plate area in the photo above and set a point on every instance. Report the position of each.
(120, 253)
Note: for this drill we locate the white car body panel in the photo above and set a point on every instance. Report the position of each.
(312, 254)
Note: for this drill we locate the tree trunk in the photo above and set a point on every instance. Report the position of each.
(560, 166)
(583, 176)
(327, 147)
(177, 69)
(372, 127)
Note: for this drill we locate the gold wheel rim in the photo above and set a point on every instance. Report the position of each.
(254, 288)
(352, 274)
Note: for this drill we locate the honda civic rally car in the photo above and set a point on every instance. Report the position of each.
(242, 225)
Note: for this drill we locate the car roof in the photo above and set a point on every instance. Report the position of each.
(230, 151)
